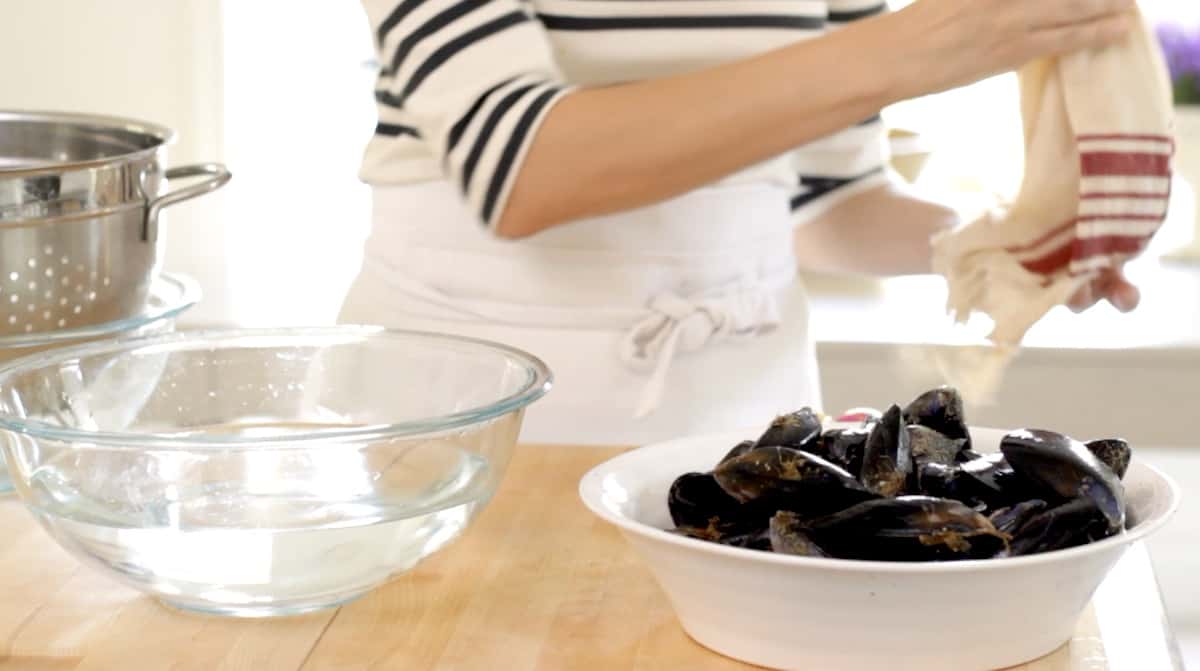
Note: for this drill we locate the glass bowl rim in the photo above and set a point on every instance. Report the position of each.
(539, 380)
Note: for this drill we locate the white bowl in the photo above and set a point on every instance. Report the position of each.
(794, 613)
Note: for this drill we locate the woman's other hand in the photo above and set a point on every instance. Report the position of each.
(1110, 285)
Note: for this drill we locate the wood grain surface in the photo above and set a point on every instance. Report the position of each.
(537, 583)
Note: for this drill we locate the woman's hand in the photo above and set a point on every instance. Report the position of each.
(967, 40)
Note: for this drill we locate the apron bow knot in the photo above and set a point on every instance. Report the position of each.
(676, 324)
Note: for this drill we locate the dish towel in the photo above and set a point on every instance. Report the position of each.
(1098, 149)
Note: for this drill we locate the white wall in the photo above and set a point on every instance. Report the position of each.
(158, 61)
(298, 110)
(278, 91)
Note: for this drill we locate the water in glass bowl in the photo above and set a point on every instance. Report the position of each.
(260, 532)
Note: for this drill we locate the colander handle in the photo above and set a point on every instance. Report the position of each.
(217, 175)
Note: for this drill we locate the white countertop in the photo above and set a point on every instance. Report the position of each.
(912, 310)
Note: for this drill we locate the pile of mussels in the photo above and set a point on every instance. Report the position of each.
(904, 485)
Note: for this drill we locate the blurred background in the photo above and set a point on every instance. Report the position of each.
(287, 105)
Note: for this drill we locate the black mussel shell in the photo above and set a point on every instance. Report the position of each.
(989, 469)
(787, 536)
(738, 450)
(1114, 452)
(845, 447)
(797, 430)
(967, 454)
(953, 482)
(696, 501)
(940, 409)
(904, 485)
(887, 460)
(929, 446)
(1010, 520)
(934, 479)
(789, 479)
(1063, 469)
(907, 528)
(754, 540)
(995, 482)
(1073, 523)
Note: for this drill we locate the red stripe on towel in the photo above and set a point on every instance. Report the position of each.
(1016, 249)
(1050, 263)
(1106, 163)
(1131, 196)
(1086, 248)
(1082, 249)
(1118, 217)
(1165, 139)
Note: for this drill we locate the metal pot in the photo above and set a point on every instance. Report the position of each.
(80, 198)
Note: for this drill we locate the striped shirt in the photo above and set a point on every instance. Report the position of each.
(464, 84)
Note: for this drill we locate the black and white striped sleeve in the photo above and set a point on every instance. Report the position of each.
(472, 80)
(844, 163)
(846, 11)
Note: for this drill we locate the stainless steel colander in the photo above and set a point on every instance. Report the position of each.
(79, 203)
(169, 297)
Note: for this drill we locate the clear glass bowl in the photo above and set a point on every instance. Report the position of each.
(170, 296)
(263, 472)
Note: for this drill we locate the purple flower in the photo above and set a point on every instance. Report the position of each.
(1182, 49)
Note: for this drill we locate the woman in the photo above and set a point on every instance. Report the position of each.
(626, 188)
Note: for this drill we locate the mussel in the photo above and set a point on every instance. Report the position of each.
(967, 454)
(929, 446)
(787, 536)
(952, 482)
(1073, 523)
(789, 479)
(697, 502)
(940, 409)
(738, 450)
(845, 447)
(990, 470)
(907, 528)
(936, 479)
(1114, 452)
(887, 460)
(1010, 520)
(1063, 469)
(904, 485)
(796, 430)
(991, 480)
(753, 540)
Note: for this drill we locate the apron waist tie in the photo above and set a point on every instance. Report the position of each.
(676, 324)
(670, 324)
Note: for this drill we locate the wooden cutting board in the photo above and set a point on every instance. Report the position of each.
(537, 583)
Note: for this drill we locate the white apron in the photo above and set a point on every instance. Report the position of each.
(678, 318)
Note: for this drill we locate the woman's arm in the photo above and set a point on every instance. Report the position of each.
(881, 232)
(885, 232)
(613, 148)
